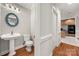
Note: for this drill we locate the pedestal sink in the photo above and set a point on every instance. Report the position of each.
(11, 38)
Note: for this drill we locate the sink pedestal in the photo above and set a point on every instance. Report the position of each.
(11, 38)
(11, 48)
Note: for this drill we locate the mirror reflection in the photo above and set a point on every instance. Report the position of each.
(11, 19)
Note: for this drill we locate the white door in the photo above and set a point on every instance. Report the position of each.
(46, 30)
(35, 27)
(42, 29)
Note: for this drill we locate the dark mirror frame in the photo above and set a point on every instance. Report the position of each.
(6, 19)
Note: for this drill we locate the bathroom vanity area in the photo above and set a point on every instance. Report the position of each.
(14, 23)
(11, 38)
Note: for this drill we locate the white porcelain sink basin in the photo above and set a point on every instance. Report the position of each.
(10, 36)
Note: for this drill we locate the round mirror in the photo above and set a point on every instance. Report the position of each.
(12, 19)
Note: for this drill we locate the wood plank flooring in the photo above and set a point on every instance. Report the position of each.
(23, 52)
(66, 50)
(62, 50)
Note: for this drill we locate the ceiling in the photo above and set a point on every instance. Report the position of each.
(26, 5)
(67, 10)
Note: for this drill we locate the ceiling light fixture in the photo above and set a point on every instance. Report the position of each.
(11, 7)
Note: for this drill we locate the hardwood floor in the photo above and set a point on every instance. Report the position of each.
(66, 50)
(23, 52)
(62, 50)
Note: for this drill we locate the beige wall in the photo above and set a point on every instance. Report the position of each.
(70, 21)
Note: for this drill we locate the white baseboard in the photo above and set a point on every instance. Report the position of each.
(50, 54)
(58, 44)
(6, 51)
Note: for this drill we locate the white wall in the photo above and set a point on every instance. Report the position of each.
(77, 28)
(23, 27)
(71, 40)
(77, 24)
(0, 26)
